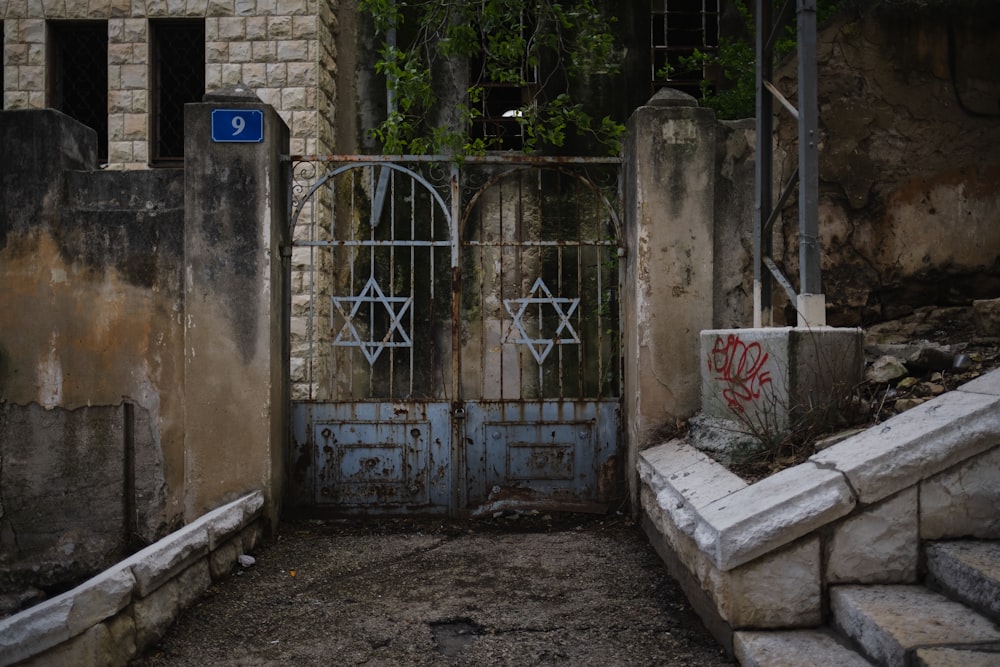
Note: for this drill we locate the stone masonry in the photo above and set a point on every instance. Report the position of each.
(281, 49)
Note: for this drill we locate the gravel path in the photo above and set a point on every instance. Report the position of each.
(516, 590)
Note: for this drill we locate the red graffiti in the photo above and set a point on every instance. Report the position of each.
(741, 367)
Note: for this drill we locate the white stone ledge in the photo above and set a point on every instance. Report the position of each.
(733, 523)
(772, 513)
(918, 443)
(985, 384)
(56, 620)
(61, 618)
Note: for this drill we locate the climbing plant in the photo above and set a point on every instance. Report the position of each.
(547, 46)
(734, 94)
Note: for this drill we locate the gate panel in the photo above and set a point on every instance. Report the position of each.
(379, 457)
(559, 454)
(460, 347)
(371, 421)
(540, 340)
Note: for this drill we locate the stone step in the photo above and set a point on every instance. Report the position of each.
(968, 571)
(891, 623)
(794, 648)
(973, 656)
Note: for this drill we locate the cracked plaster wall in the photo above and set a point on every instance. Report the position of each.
(909, 159)
(91, 352)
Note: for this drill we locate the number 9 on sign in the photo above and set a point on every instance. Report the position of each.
(237, 125)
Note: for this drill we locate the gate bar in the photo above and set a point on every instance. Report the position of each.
(513, 158)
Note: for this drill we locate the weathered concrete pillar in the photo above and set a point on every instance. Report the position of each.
(669, 176)
(236, 363)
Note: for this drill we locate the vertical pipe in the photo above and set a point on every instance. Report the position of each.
(809, 263)
(764, 109)
(130, 520)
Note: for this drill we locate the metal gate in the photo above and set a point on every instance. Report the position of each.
(457, 347)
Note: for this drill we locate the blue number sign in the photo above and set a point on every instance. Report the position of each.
(237, 125)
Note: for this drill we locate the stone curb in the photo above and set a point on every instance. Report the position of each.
(916, 444)
(733, 525)
(61, 618)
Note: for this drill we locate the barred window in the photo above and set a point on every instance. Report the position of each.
(500, 102)
(177, 49)
(78, 80)
(677, 29)
(499, 108)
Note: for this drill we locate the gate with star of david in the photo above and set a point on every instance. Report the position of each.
(456, 343)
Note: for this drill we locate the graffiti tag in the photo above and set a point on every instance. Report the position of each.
(741, 367)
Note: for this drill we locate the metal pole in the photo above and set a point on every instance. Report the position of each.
(762, 291)
(811, 308)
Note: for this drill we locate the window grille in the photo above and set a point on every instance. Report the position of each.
(499, 108)
(177, 77)
(677, 29)
(501, 103)
(78, 84)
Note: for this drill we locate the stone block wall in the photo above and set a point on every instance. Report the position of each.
(764, 555)
(283, 50)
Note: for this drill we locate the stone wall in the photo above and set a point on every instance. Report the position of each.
(91, 350)
(764, 555)
(143, 340)
(909, 159)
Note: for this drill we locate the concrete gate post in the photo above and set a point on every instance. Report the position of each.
(669, 177)
(236, 320)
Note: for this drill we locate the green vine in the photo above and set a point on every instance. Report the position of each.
(549, 47)
(735, 95)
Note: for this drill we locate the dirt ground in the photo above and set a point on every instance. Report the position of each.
(518, 589)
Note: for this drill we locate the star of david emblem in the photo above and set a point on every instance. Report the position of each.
(541, 295)
(372, 295)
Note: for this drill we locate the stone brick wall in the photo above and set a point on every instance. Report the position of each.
(765, 555)
(282, 49)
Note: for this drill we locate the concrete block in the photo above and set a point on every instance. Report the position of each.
(971, 656)
(879, 545)
(155, 613)
(963, 501)
(685, 480)
(968, 570)
(161, 561)
(987, 384)
(916, 445)
(888, 622)
(223, 522)
(251, 536)
(222, 560)
(654, 525)
(771, 513)
(108, 644)
(54, 621)
(780, 590)
(760, 377)
(794, 648)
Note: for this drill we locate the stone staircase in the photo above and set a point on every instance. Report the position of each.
(953, 620)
